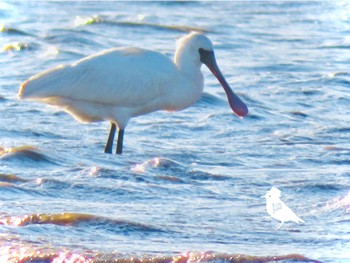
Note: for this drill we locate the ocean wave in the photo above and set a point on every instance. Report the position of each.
(338, 44)
(83, 21)
(13, 31)
(11, 178)
(24, 154)
(174, 171)
(76, 219)
(30, 253)
(16, 46)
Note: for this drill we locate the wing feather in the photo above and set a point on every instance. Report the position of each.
(124, 77)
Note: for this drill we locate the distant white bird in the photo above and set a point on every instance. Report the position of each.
(279, 210)
(120, 83)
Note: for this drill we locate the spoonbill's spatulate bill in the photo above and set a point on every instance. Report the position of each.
(120, 83)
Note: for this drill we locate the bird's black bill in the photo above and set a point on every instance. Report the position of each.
(237, 105)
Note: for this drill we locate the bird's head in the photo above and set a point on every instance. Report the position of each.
(273, 193)
(198, 48)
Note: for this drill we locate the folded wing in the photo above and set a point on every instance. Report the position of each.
(122, 77)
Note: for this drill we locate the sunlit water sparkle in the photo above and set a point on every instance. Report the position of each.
(188, 185)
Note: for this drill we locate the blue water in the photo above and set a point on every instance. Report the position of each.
(190, 181)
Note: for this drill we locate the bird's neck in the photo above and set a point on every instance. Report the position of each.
(187, 61)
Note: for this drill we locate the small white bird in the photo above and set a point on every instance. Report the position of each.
(120, 83)
(278, 209)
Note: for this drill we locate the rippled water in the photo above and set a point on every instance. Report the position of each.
(189, 184)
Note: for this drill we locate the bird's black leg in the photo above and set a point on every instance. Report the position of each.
(120, 141)
(109, 144)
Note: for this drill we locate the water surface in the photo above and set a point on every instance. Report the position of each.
(189, 184)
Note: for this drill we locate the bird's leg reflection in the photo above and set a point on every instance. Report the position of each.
(120, 141)
(109, 144)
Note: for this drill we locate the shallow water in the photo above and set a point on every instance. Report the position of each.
(188, 185)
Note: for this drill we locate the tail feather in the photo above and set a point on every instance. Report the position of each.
(297, 219)
(44, 85)
(21, 90)
(300, 220)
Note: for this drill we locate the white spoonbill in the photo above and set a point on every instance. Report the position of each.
(120, 83)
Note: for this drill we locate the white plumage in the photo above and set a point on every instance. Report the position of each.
(277, 209)
(120, 83)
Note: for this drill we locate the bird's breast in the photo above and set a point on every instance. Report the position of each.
(183, 92)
